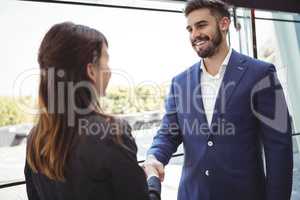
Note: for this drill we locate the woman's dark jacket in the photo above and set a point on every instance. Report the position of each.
(97, 168)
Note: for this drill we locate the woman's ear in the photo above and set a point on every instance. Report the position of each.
(90, 70)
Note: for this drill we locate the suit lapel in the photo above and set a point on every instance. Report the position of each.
(196, 96)
(233, 74)
(202, 110)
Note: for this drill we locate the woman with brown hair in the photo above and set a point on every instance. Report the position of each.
(75, 151)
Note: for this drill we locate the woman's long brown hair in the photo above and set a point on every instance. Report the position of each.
(64, 53)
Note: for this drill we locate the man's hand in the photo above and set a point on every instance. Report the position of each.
(153, 167)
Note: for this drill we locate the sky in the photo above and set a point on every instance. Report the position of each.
(144, 46)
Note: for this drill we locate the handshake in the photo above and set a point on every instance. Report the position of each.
(153, 167)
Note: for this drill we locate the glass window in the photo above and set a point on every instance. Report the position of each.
(240, 34)
(14, 193)
(279, 43)
(147, 48)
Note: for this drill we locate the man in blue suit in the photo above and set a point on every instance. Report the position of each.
(229, 112)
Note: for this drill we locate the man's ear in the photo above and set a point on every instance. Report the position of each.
(224, 24)
(91, 72)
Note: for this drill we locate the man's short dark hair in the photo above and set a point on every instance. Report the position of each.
(217, 8)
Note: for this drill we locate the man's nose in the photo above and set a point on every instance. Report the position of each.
(194, 34)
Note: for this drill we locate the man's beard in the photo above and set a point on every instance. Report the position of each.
(212, 46)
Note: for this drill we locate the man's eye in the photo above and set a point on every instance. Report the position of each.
(201, 25)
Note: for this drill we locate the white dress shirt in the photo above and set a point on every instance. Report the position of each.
(210, 86)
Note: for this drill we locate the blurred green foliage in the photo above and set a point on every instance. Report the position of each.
(119, 100)
(10, 111)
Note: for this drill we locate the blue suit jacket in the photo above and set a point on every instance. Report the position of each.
(224, 161)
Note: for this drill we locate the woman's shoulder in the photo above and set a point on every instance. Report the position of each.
(106, 130)
(97, 146)
(93, 126)
(103, 126)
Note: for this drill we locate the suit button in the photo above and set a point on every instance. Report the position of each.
(206, 172)
(210, 143)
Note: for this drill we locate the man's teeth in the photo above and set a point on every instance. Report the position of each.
(198, 43)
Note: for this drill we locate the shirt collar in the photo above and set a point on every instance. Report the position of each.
(222, 68)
